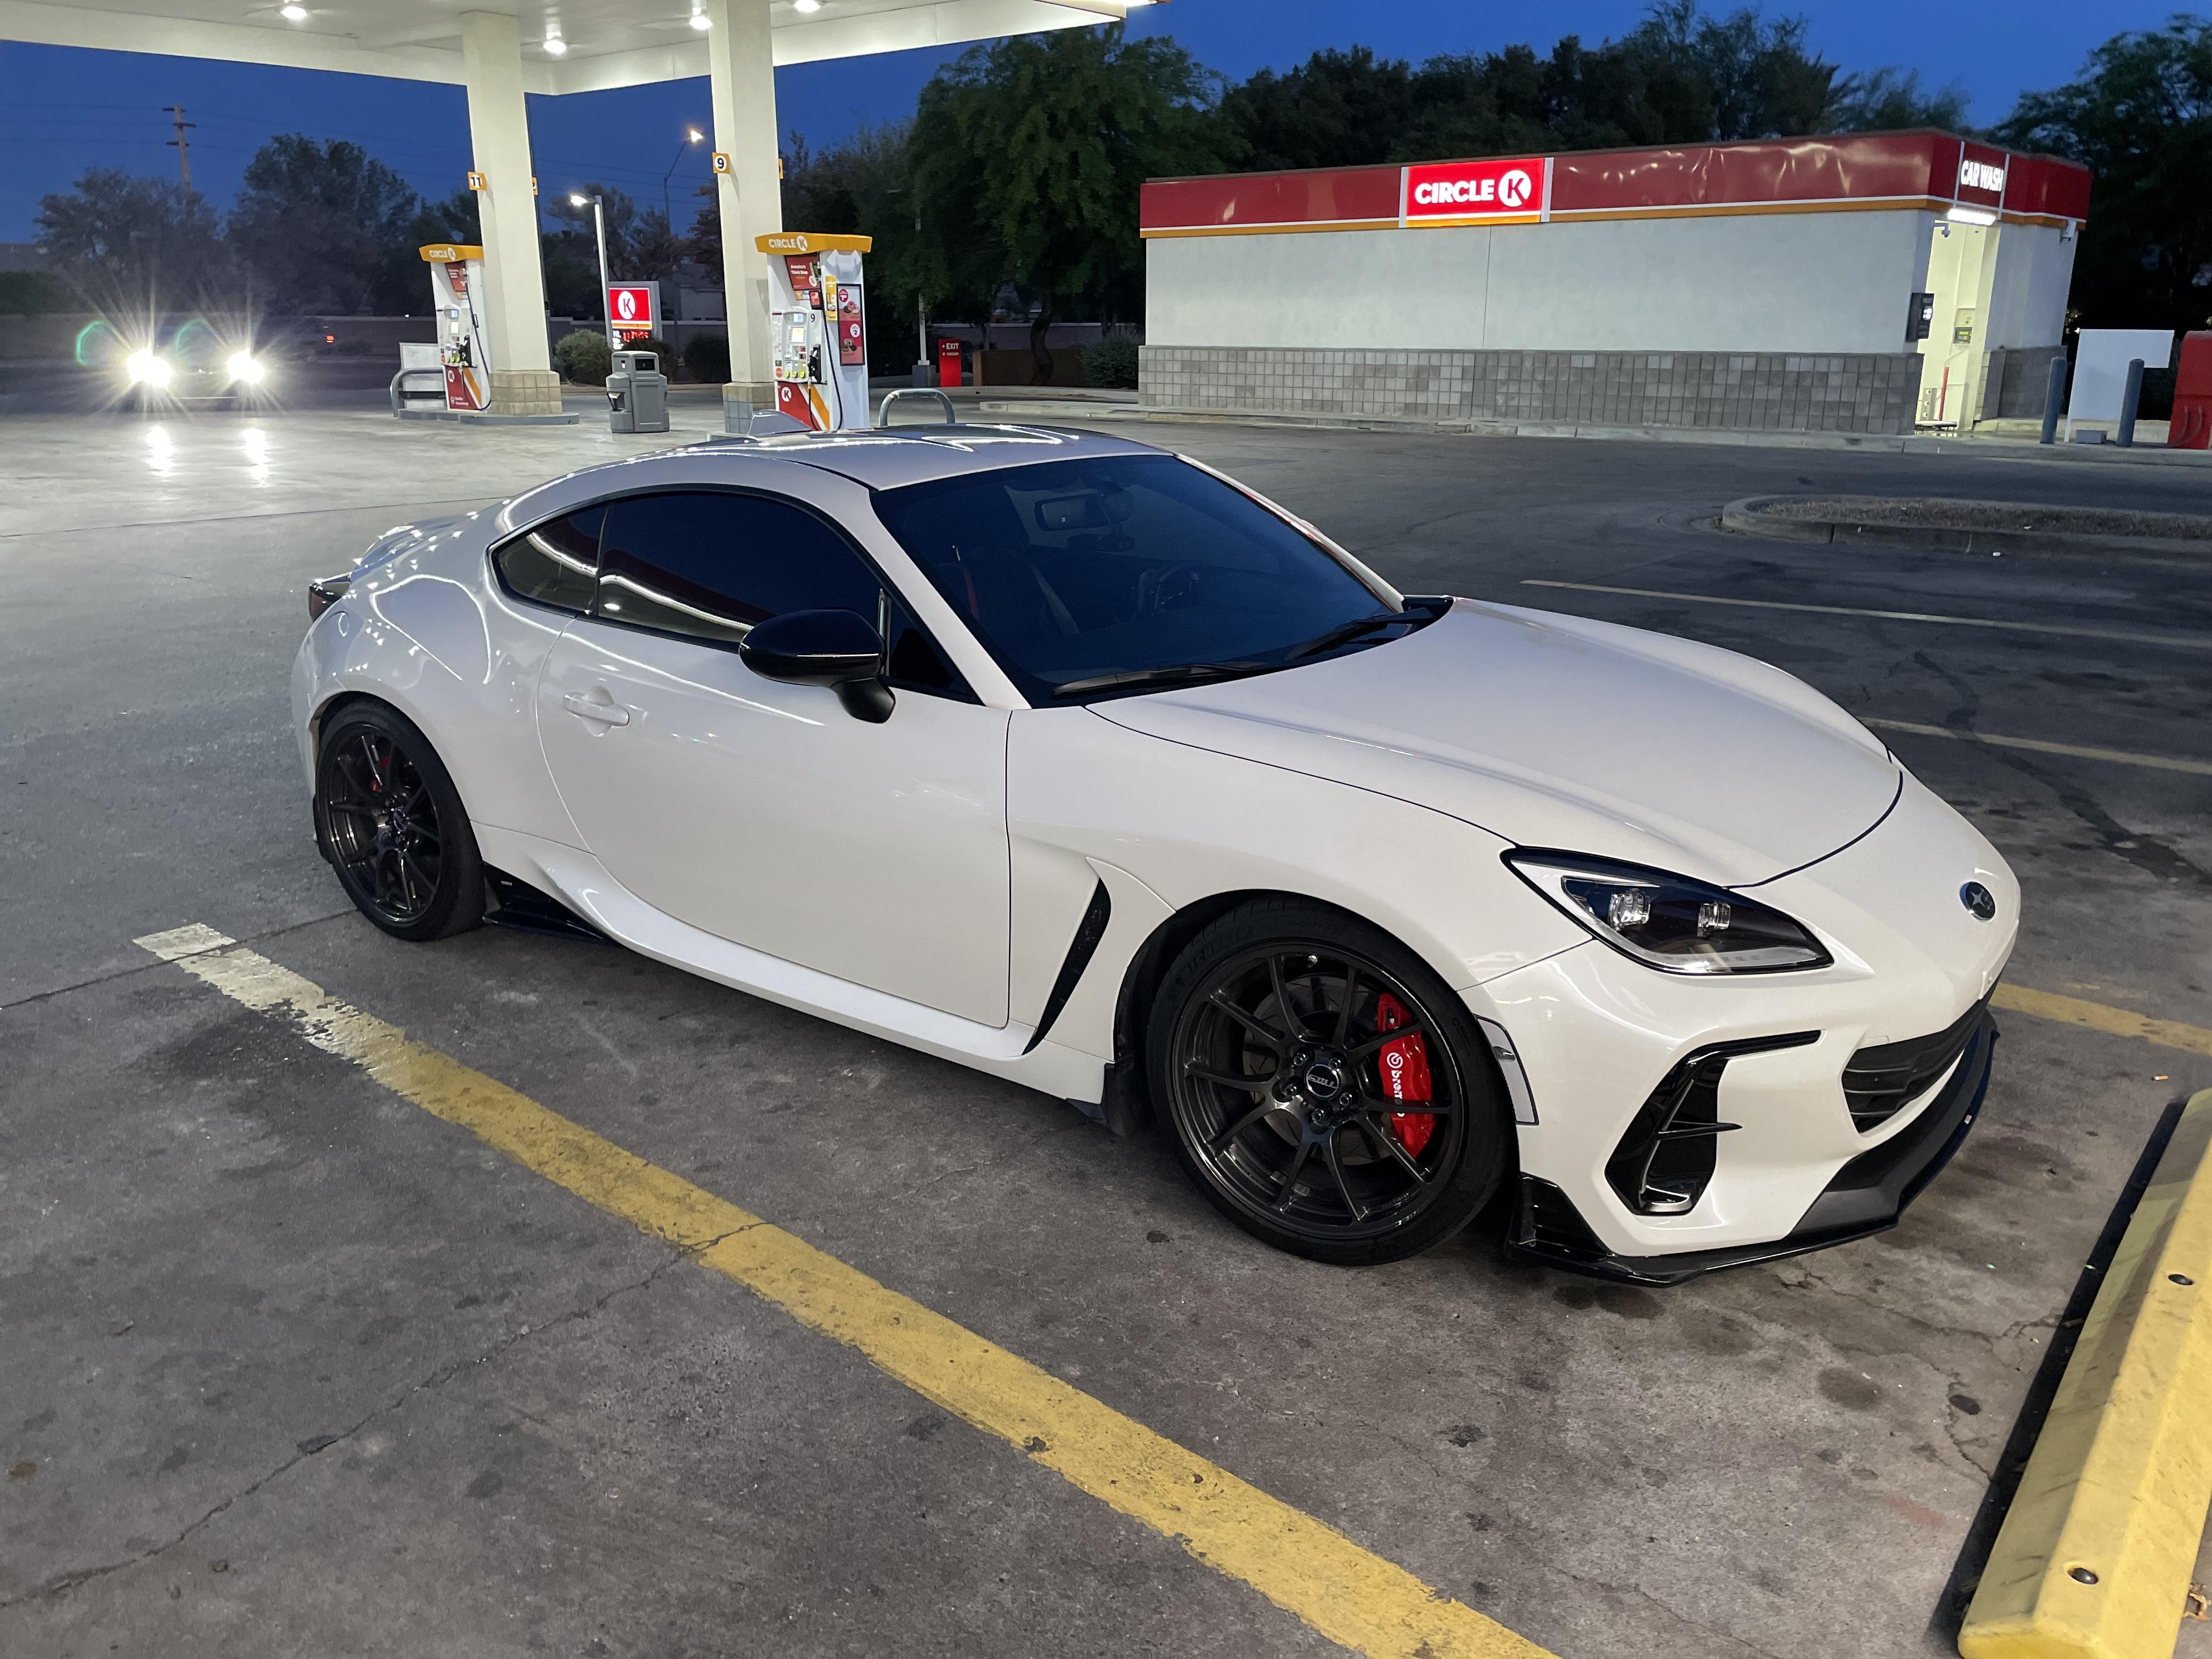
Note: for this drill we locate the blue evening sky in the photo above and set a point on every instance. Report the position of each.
(63, 110)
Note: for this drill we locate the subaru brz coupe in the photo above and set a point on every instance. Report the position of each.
(1075, 762)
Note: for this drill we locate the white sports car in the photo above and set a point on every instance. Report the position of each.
(1072, 761)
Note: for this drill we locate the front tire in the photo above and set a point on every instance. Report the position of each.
(1267, 1048)
(391, 824)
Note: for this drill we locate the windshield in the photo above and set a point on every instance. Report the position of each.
(1127, 572)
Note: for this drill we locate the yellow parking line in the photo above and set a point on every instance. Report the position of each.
(1349, 1595)
(2178, 641)
(2093, 1559)
(2120, 1021)
(2042, 746)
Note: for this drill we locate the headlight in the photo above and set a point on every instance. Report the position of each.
(244, 366)
(1670, 922)
(148, 369)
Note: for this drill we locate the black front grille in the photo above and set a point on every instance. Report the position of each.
(1666, 1160)
(1881, 1081)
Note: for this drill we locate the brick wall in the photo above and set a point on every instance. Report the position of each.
(1873, 392)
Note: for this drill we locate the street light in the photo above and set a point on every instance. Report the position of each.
(577, 198)
(691, 136)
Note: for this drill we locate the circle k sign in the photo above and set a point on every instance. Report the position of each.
(1513, 189)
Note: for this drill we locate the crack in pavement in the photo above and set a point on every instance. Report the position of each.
(2146, 852)
(63, 1584)
(1590, 1582)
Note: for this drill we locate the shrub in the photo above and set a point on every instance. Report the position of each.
(26, 293)
(583, 357)
(707, 358)
(1111, 362)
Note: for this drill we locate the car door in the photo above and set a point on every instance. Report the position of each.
(762, 811)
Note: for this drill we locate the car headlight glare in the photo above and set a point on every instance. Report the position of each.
(244, 366)
(148, 368)
(1668, 921)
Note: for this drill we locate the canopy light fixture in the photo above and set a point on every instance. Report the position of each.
(1959, 214)
(700, 22)
(807, 7)
(554, 46)
(295, 14)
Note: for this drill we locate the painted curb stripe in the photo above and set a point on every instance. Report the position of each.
(2095, 1557)
(2097, 1017)
(2177, 641)
(1307, 1568)
(2042, 746)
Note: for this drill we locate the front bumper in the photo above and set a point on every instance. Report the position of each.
(1866, 1195)
(1789, 1088)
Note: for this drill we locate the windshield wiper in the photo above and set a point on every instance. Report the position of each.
(1189, 670)
(1345, 632)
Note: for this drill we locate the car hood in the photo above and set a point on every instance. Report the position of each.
(1552, 731)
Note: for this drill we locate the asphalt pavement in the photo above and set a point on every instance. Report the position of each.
(288, 1365)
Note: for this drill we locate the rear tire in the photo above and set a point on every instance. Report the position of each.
(390, 820)
(1267, 1046)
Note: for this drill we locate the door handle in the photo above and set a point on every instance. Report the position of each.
(601, 708)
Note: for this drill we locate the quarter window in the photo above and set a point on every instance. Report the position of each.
(557, 563)
(712, 565)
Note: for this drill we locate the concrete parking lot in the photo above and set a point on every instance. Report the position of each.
(288, 1365)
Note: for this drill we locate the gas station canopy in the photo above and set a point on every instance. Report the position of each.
(602, 43)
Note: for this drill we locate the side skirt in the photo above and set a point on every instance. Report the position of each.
(579, 882)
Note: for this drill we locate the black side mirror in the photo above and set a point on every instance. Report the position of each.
(840, 649)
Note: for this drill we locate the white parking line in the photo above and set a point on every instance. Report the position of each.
(2119, 757)
(2178, 641)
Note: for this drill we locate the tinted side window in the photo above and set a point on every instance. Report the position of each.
(710, 566)
(557, 563)
(914, 661)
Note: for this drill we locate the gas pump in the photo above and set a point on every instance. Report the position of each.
(464, 350)
(817, 332)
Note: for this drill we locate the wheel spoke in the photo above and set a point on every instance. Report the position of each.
(1376, 1043)
(1380, 1133)
(1291, 1176)
(1336, 1170)
(1274, 1040)
(1243, 1081)
(1222, 1142)
(1350, 1000)
(1293, 1022)
(375, 772)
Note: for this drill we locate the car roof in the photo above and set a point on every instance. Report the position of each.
(882, 459)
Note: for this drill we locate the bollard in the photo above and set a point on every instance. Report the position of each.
(2129, 400)
(2054, 399)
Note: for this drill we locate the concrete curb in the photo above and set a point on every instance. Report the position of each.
(1748, 516)
(2007, 449)
(2095, 1557)
(486, 420)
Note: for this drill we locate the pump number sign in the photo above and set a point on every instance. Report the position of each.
(1506, 190)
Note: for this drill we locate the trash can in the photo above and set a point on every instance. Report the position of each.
(638, 394)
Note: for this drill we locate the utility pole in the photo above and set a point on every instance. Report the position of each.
(179, 142)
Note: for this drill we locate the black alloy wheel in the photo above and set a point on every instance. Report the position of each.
(390, 822)
(1271, 1043)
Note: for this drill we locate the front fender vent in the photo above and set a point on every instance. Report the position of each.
(1666, 1158)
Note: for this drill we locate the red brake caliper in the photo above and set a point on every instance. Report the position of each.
(1405, 1067)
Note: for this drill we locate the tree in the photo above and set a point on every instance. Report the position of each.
(1336, 109)
(2141, 117)
(323, 226)
(1029, 157)
(865, 185)
(134, 246)
(1890, 100)
(1762, 81)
